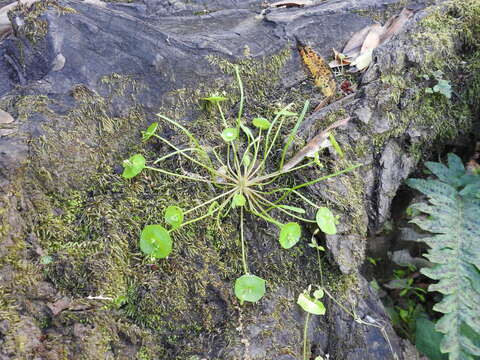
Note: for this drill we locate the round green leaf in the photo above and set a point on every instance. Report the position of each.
(150, 131)
(174, 216)
(249, 288)
(289, 235)
(155, 241)
(229, 134)
(261, 123)
(239, 200)
(326, 221)
(133, 166)
(310, 304)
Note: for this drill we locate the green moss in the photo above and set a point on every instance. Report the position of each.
(381, 15)
(260, 78)
(446, 40)
(88, 219)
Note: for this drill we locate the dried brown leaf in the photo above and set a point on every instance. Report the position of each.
(372, 40)
(363, 60)
(352, 49)
(5, 117)
(319, 69)
(395, 24)
(313, 145)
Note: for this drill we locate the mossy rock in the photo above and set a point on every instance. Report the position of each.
(66, 199)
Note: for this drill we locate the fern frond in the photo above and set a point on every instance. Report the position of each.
(453, 217)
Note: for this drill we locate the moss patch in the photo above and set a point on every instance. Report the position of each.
(448, 39)
(88, 219)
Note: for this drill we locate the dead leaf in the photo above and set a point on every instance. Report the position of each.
(361, 45)
(319, 69)
(364, 60)
(395, 24)
(313, 145)
(5, 117)
(352, 49)
(372, 40)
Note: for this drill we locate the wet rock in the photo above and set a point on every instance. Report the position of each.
(91, 76)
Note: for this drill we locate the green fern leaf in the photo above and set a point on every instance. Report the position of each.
(453, 217)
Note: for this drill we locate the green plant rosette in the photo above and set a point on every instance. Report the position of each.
(174, 216)
(249, 288)
(289, 235)
(147, 134)
(229, 134)
(326, 221)
(133, 166)
(155, 241)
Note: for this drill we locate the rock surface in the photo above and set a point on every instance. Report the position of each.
(82, 79)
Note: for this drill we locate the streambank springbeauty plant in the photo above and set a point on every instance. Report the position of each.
(243, 181)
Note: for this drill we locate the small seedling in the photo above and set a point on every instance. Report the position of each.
(312, 305)
(442, 87)
(241, 174)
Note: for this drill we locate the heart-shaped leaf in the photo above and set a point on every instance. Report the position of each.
(249, 288)
(174, 216)
(261, 123)
(310, 305)
(133, 166)
(229, 134)
(155, 241)
(290, 234)
(150, 131)
(326, 221)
